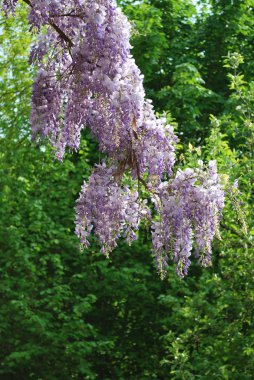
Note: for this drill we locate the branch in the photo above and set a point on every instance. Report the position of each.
(54, 26)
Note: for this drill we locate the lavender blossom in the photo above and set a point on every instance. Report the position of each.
(190, 210)
(87, 77)
(108, 209)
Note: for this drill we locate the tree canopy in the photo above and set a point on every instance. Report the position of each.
(70, 314)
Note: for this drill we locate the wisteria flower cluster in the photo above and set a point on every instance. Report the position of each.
(108, 208)
(87, 77)
(190, 209)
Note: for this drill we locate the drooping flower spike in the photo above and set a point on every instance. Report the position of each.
(87, 78)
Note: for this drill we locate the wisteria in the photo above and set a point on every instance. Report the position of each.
(87, 78)
(109, 209)
(190, 209)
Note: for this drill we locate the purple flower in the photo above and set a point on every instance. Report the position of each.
(87, 77)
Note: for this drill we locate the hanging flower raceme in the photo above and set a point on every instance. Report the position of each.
(108, 210)
(87, 77)
(189, 211)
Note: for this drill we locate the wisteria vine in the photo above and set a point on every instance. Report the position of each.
(87, 77)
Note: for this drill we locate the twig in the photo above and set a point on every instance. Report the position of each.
(57, 29)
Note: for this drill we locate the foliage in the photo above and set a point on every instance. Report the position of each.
(87, 77)
(70, 314)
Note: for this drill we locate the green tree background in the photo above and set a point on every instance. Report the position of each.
(66, 314)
